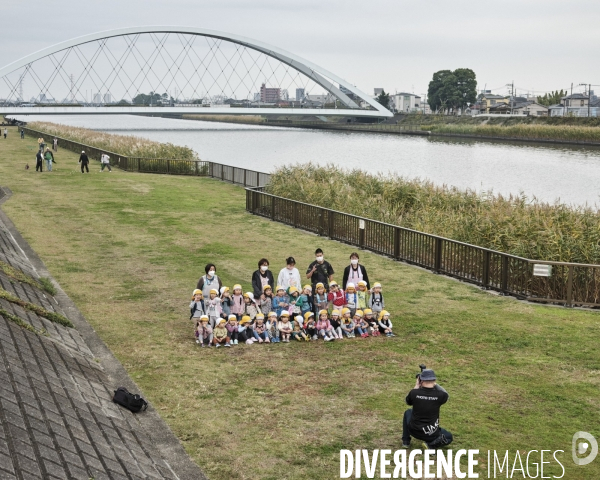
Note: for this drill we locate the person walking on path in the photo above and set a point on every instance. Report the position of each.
(22, 134)
(84, 160)
(320, 271)
(49, 159)
(38, 161)
(41, 144)
(355, 272)
(5, 132)
(55, 144)
(105, 162)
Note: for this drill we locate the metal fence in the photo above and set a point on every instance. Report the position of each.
(227, 173)
(568, 284)
(362, 127)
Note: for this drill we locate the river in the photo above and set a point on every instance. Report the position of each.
(570, 174)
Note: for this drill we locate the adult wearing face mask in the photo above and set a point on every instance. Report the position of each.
(289, 276)
(262, 277)
(355, 272)
(209, 281)
(320, 271)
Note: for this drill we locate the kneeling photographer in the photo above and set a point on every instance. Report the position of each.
(423, 420)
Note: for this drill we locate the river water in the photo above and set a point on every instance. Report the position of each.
(570, 174)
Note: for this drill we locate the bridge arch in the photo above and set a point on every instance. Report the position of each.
(347, 99)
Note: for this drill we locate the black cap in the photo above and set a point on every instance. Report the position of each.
(427, 375)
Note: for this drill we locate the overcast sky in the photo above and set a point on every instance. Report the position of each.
(396, 44)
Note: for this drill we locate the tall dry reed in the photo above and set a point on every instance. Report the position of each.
(125, 145)
(515, 224)
(529, 132)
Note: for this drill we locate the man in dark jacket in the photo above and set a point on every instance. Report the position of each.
(39, 161)
(423, 420)
(320, 271)
(84, 160)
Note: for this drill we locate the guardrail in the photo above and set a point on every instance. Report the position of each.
(568, 283)
(227, 173)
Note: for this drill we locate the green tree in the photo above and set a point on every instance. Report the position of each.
(552, 98)
(452, 89)
(383, 98)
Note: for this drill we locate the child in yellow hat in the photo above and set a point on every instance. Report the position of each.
(197, 305)
(213, 307)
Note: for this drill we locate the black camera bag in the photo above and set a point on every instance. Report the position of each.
(130, 401)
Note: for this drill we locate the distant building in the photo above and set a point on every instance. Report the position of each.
(487, 100)
(97, 98)
(520, 108)
(107, 98)
(377, 91)
(318, 100)
(406, 102)
(269, 95)
(300, 92)
(576, 105)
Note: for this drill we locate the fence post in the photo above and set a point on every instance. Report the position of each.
(139, 166)
(295, 216)
(397, 243)
(570, 287)
(257, 179)
(361, 237)
(438, 255)
(197, 169)
(245, 177)
(486, 269)
(273, 208)
(330, 226)
(504, 274)
(168, 166)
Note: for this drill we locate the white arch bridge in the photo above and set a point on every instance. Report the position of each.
(175, 70)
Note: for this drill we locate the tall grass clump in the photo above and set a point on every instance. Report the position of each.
(514, 224)
(125, 145)
(530, 132)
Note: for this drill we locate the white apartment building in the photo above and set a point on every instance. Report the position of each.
(406, 102)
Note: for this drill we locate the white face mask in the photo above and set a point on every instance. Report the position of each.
(264, 268)
(319, 259)
(354, 261)
(211, 273)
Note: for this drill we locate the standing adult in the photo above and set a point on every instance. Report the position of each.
(55, 144)
(84, 160)
(262, 277)
(320, 271)
(39, 159)
(105, 162)
(40, 143)
(355, 272)
(49, 159)
(209, 281)
(22, 134)
(289, 276)
(5, 132)
(423, 420)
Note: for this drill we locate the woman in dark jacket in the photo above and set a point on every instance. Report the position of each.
(262, 277)
(355, 272)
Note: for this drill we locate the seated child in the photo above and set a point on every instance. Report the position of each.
(336, 297)
(362, 295)
(280, 301)
(213, 307)
(385, 325)
(297, 333)
(376, 302)
(232, 328)
(226, 302)
(272, 329)
(266, 300)
(348, 325)
(237, 302)
(324, 327)
(360, 326)
(245, 331)
(309, 325)
(260, 329)
(250, 307)
(285, 327)
(320, 298)
(204, 332)
(373, 326)
(220, 334)
(336, 322)
(306, 300)
(351, 298)
(197, 305)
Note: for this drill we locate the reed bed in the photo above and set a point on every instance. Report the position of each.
(515, 224)
(126, 145)
(530, 132)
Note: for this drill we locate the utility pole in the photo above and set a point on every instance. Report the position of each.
(589, 100)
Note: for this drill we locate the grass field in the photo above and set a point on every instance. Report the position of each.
(128, 248)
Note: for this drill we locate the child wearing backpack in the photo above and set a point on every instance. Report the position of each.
(351, 298)
(295, 301)
(272, 329)
(197, 305)
(320, 298)
(362, 295)
(260, 329)
(213, 307)
(237, 302)
(376, 302)
(281, 301)
(250, 307)
(336, 297)
(306, 300)
(266, 300)
(226, 302)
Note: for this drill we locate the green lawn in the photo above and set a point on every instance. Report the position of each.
(128, 248)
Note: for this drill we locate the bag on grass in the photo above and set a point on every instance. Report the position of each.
(130, 401)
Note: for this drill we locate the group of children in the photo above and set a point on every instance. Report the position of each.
(226, 318)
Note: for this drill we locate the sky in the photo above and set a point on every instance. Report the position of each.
(394, 44)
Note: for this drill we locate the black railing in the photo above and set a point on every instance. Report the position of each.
(568, 283)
